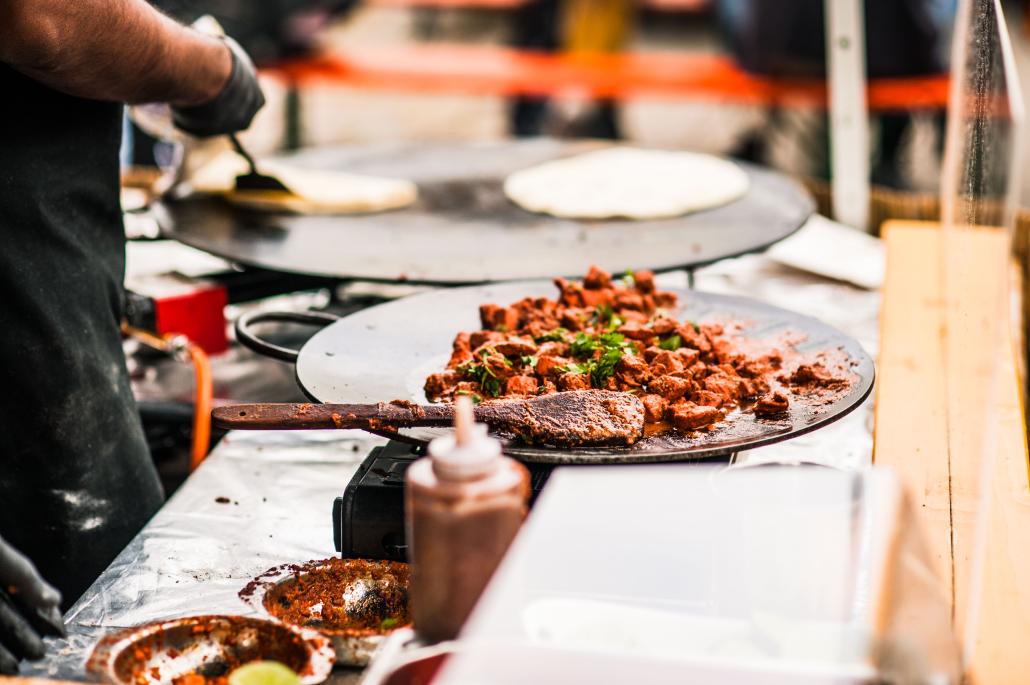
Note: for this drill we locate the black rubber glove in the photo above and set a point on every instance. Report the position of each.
(28, 610)
(235, 106)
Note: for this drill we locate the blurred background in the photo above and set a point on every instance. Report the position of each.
(737, 77)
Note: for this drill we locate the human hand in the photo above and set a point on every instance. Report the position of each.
(234, 108)
(29, 609)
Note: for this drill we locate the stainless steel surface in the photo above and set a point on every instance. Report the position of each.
(196, 554)
(463, 229)
(386, 352)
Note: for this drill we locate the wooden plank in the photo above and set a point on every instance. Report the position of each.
(939, 395)
(911, 413)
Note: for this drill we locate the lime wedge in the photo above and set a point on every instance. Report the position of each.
(263, 673)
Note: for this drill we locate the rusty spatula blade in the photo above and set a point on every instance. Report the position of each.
(578, 418)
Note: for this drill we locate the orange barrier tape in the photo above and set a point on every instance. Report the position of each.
(508, 72)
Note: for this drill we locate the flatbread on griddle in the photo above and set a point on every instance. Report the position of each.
(625, 182)
(314, 191)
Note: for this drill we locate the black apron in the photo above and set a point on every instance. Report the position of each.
(76, 479)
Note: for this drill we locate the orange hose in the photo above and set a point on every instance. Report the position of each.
(203, 394)
(203, 390)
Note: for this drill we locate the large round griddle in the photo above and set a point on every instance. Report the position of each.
(464, 230)
(386, 352)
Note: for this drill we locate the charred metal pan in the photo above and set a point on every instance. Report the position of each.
(356, 603)
(207, 646)
(463, 229)
(387, 351)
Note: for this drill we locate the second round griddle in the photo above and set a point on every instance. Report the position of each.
(463, 229)
(386, 352)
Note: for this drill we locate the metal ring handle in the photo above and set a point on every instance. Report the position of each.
(253, 342)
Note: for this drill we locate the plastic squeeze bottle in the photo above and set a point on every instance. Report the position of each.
(464, 504)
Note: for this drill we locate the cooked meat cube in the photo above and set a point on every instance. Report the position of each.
(687, 416)
(499, 365)
(553, 349)
(751, 368)
(597, 279)
(772, 404)
(574, 381)
(753, 387)
(629, 300)
(708, 398)
(669, 387)
(631, 316)
(632, 371)
(665, 300)
(636, 331)
(773, 359)
(688, 356)
(599, 298)
(815, 375)
(712, 330)
(573, 319)
(654, 408)
(441, 384)
(725, 351)
(497, 318)
(651, 352)
(521, 385)
(666, 362)
(516, 347)
(487, 314)
(644, 281)
(721, 384)
(480, 338)
(461, 350)
(467, 388)
(664, 326)
(693, 339)
(547, 388)
(550, 367)
(571, 293)
(699, 369)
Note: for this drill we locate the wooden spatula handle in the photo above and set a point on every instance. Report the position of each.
(275, 416)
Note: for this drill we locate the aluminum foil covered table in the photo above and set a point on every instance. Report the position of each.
(197, 553)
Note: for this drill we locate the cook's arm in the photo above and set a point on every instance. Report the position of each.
(125, 50)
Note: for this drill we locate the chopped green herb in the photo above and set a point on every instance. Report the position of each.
(476, 399)
(583, 346)
(388, 623)
(529, 361)
(628, 279)
(697, 329)
(671, 343)
(481, 373)
(573, 367)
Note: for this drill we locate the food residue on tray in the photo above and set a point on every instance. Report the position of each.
(618, 334)
(342, 596)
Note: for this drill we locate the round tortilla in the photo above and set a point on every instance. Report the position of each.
(630, 183)
(314, 191)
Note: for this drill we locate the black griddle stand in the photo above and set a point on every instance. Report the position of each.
(368, 519)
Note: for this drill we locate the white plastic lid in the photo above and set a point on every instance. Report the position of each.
(468, 454)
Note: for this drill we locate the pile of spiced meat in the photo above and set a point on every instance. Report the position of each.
(617, 334)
